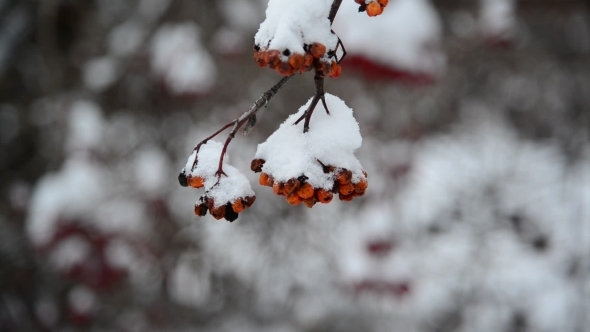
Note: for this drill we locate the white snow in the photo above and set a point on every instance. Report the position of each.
(189, 281)
(82, 299)
(332, 139)
(125, 39)
(179, 58)
(69, 252)
(151, 171)
(497, 17)
(291, 24)
(85, 127)
(69, 194)
(100, 73)
(229, 188)
(406, 36)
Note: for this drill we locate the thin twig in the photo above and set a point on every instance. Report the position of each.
(319, 95)
(250, 114)
(334, 10)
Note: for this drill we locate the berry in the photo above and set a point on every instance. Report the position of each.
(256, 165)
(182, 179)
(196, 181)
(374, 9)
(324, 196)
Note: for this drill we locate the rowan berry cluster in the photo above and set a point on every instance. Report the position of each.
(372, 7)
(298, 190)
(287, 63)
(228, 192)
(229, 210)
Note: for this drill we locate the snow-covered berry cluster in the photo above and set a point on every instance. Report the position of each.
(299, 190)
(287, 63)
(296, 37)
(372, 7)
(311, 167)
(228, 192)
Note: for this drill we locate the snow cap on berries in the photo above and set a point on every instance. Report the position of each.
(231, 186)
(291, 24)
(331, 140)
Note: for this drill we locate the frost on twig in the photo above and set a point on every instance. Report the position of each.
(311, 167)
(225, 196)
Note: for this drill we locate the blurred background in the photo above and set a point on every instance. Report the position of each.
(475, 117)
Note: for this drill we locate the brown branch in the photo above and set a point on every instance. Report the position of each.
(334, 10)
(319, 95)
(250, 115)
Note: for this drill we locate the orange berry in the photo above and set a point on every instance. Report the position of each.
(277, 188)
(383, 3)
(344, 176)
(317, 50)
(305, 191)
(260, 59)
(201, 210)
(196, 181)
(324, 67)
(324, 196)
(359, 192)
(256, 165)
(346, 189)
(291, 186)
(335, 70)
(307, 60)
(361, 186)
(374, 9)
(309, 202)
(294, 199)
(238, 206)
(296, 61)
(284, 68)
(218, 212)
(273, 59)
(248, 201)
(346, 198)
(263, 180)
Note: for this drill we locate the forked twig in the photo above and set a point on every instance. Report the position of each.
(250, 115)
(319, 95)
(239, 122)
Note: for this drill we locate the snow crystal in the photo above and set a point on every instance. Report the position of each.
(331, 139)
(291, 24)
(407, 35)
(230, 187)
(180, 59)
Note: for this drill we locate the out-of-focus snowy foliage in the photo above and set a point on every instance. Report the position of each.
(477, 215)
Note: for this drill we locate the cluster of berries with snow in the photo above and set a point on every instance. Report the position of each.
(306, 164)
(227, 191)
(372, 7)
(297, 37)
(287, 63)
(317, 164)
